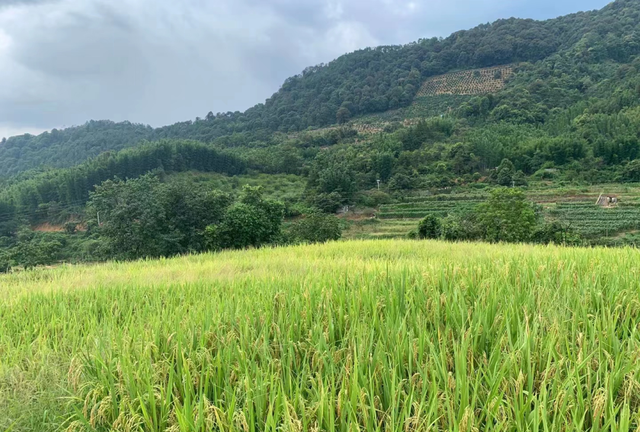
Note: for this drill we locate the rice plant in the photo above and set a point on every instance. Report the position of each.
(348, 336)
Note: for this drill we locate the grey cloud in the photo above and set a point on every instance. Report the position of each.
(162, 61)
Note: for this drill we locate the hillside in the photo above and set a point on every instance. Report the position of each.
(378, 80)
(549, 107)
(378, 336)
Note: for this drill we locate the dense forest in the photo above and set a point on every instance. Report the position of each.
(355, 131)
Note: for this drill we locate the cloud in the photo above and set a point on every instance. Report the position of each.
(63, 62)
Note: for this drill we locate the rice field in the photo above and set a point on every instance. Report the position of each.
(348, 336)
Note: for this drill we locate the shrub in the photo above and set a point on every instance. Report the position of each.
(327, 202)
(253, 222)
(316, 228)
(506, 216)
(70, 227)
(430, 228)
(374, 198)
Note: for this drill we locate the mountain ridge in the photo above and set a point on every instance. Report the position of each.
(367, 81)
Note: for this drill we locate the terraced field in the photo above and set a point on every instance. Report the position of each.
(574, 208)
(594, 221)
(471, 82)
(418, 210)
(397, 220)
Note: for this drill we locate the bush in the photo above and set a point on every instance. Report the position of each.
(373, 198)
(402, 181)
(253, 222)
(413, 234)
(70, 227)
(460, 228)
(327, 202)
(5, 262)
(430, 228)
(316, 228)
(506, 216)
(556, 233)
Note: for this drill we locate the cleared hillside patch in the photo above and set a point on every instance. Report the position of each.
(470, 82)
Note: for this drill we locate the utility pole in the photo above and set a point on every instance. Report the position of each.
(378, 184)
(98, 214)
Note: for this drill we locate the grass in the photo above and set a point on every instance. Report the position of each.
(373, 336)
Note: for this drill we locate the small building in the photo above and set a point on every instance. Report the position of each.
(607, 200)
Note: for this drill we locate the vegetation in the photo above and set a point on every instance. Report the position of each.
(316, 228)
(374, 335)
(357, 132)
(472, 82)
(578, 58)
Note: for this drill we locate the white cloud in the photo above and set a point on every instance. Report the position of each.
(8, 131)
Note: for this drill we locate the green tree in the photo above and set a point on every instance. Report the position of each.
(631, 171)
(430, 228)
(327, 202)
(506, 216)
(316, 228)
(252, 222)
(147, 218)
(505, 173)
(32, 250)
(343, 115)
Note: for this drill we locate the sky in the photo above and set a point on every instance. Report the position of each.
(157, 62)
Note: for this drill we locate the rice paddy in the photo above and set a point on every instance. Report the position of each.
(362, 335)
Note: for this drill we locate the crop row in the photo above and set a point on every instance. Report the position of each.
(444, 198)
(430, 205)
(473, 82)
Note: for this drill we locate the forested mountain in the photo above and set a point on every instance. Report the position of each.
(566, 50)
(514, 103)
(67, 147)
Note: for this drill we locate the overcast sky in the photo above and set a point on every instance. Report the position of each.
(63, 62)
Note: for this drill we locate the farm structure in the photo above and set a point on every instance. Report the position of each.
(607, 200)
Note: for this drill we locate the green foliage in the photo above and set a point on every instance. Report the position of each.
(401, 181)
(67, 147)
(252, 222)
(50, 194)
(31, 250)
(327, 202)
(316, 228)
(430, 228)
(507, 216)
(374, 198)
(70, 227)
(505, 173)
(556, 233)
(631, 171)
(339, 179)
(146, 218)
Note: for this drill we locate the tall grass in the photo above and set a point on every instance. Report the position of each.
(373, 336)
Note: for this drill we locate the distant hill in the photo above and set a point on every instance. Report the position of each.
(557, 61)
